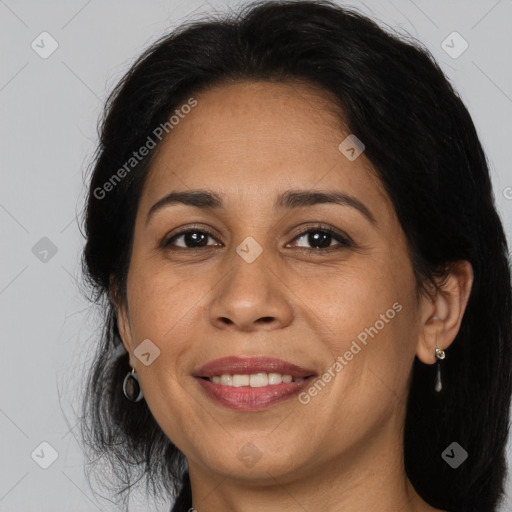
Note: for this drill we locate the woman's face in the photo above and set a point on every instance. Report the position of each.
(247, 281)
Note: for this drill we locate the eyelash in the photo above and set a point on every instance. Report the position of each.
(344, 241)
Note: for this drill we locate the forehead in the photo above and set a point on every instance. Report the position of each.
(257, 139)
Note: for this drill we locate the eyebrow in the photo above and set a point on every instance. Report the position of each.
(290, 199)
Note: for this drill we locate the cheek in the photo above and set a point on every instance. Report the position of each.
(369, 311)
(360, 297)
(164, 310)
(162, 306)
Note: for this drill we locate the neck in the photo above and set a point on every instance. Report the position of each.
(370, 476)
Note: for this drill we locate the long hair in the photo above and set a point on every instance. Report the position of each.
(421, 140)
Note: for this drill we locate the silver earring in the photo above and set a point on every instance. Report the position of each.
(439, 355)
(131, 387)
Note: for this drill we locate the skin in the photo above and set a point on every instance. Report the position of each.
(249, 142)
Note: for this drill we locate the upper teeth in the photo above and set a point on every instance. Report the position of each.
(255, 380)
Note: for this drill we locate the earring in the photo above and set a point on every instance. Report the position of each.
(131, 387)
(439, 355)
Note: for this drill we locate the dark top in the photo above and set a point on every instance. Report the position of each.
(184, 498)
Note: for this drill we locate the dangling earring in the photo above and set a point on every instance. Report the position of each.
(131, 387)
(439, 355)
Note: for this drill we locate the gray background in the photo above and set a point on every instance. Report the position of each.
(48, 113)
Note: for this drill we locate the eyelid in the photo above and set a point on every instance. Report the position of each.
(165, 243)
(342, 238)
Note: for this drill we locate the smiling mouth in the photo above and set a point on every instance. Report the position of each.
(244, 396)
(251, 383)
(254, 380)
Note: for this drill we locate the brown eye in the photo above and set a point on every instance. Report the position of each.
(191, 239)
(321, 239)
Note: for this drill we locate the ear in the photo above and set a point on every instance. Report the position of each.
(442, 312)
(122, 319)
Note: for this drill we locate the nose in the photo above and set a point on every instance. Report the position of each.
(251, 296)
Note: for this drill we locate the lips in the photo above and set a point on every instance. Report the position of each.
(243, 397)
(250, 365)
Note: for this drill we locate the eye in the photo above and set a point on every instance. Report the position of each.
(321, 239)
(190, 239)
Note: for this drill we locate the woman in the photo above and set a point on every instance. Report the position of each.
(291, 229)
